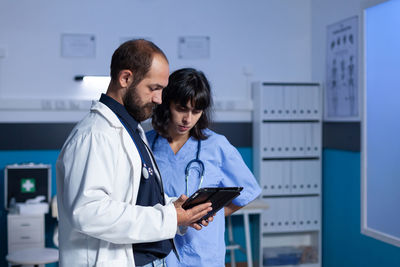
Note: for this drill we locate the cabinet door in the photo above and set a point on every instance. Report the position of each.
(25, 231)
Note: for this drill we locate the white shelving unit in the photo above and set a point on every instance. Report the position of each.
(287, 130)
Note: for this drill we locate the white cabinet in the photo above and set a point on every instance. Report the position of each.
(25, 231)
(287, 130)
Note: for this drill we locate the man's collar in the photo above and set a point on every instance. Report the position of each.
(119, 110)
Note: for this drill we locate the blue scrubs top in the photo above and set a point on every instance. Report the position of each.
(224, 167)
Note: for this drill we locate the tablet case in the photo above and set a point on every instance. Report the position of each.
(218, 196)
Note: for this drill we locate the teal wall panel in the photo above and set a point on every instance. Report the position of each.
(342, 241)
(20, 157)
(50, 157)
(238, 224)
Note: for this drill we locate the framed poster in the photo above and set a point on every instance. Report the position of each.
(341, 87)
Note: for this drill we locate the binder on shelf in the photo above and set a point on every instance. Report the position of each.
(290, 177)
(313, 173)
(287, 179)
(307, 177)
(309, 214)
(310, 140)
(316, 135)
(279, 103)
(297, 137)
(276, 139)
(267, 103)
(268, 216)
(300, 214)
(289, 216)
(272, 95)
(302, 102)
(284, 139)
(284, 131)
(292, 214)
(309, 103)
(267, 178)
(316, 107)
(287, 103)
(294, 103)
(273, 99)
(313, 213)
(276, 178)
(305, 184)
(297, 176)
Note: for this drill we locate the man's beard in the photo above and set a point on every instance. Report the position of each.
(135, 107)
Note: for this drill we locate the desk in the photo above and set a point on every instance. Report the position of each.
(255, 207)
(33, 256)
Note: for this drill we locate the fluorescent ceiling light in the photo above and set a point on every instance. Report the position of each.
(98, 82)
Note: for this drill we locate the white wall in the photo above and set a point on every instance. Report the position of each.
(269, 39)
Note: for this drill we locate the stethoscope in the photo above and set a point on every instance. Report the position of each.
(193, 161)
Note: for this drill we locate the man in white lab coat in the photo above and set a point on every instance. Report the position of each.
(112, 207)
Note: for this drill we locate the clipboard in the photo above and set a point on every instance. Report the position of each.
(218, 196)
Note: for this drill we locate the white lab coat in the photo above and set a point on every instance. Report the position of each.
(98, 175)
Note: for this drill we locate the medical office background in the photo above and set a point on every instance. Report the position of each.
(256, 40)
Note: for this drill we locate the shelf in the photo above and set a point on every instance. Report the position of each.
(292, 231)
(266, 197)
(287, 157)
(296, 250)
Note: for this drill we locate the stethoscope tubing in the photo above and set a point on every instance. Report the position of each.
(187, 168)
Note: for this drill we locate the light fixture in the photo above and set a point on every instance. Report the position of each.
(96, 82)
(89, 78)
(78, 78)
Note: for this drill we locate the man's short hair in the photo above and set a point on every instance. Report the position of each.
(136, 56)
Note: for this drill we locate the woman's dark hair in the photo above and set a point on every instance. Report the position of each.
(184, 85)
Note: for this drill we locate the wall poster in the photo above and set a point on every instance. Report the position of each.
(341, 88)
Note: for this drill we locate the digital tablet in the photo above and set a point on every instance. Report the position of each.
(218, 196)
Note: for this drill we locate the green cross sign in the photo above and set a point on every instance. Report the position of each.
(28, 185)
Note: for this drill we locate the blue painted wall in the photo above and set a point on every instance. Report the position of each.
(34, 156)
(50, 157)
(342, 241)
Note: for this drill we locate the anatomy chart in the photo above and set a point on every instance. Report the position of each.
(342, 93)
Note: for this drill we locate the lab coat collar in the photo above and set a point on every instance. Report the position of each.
(120, 111)
(133, 154)
(107, 113)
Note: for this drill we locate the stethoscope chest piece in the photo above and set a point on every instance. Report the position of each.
(147, 171)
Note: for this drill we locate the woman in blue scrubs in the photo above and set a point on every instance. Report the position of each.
(180, 136)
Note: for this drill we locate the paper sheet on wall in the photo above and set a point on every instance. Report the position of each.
(78, 45)
(194, 47)
(342, 92)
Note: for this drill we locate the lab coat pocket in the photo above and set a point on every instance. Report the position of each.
(112, 255)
